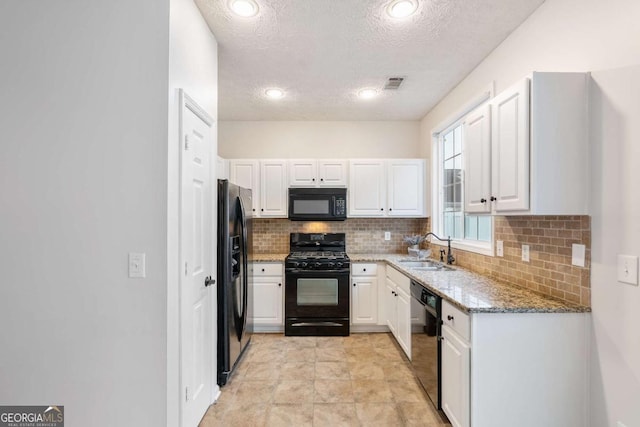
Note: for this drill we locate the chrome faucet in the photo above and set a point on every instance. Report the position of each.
(450, 258)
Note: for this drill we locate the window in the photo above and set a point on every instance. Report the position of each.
(468, 232)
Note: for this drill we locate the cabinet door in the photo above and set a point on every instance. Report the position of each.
(245, 173)
(367, 191)
(403, 307)
(303, 173)
(273, 188)
(406, 187)
(333, 173)
(510, 148)
(222, 168)
(267, 300)
(390, 304)
(364, 301)
(477, 160)
(455, 378)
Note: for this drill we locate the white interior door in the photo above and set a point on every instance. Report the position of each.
(196, 254)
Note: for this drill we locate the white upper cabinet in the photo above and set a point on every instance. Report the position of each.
(477, 154)
(510, 149)
(406, 187)
(246, 173)
(318, 173)
(367, 190)
(387, 188)
(222, 168)
(273, 188)
(528, 154)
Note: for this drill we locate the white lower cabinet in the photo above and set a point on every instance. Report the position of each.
(398, 308)
(364, 294)
(268, 296)
(514, 369)
(455, 377)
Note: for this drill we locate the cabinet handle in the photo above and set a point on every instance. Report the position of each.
(493, 199)
(483, 200)
(449, 317)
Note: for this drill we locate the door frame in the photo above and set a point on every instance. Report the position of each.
(175, 383)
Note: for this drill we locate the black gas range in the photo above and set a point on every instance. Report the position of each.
(317, 285)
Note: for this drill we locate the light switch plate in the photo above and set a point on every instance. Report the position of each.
(137, 267)
(525, 253)
(577, 254)
(499, 248)
(628, 269)
(387, 235)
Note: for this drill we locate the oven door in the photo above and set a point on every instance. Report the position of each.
(316, 294)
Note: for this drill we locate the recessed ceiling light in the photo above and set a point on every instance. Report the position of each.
(402, 8)
(367, 93)
(244, 8)
(274, 93)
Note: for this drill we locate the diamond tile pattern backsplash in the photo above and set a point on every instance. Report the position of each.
(549, 271)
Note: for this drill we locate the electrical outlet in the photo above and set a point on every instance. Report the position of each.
(499, 248)
(628, 269)
(525, 253)
(577, 254)
(387, 235)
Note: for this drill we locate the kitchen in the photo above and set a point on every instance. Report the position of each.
(103, 352)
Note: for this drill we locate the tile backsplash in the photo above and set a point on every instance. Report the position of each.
(364, 235)
(549, 271)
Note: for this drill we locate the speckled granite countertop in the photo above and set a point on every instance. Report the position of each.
(269, 257)
(474, 293)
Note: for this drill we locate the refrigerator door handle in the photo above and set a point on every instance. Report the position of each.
(245, 266)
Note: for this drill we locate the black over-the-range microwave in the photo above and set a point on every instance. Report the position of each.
(317, 204)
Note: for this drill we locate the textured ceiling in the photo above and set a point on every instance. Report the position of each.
(321, 52)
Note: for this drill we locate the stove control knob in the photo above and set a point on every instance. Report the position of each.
(317, 265)
(331, 264)
(295, 264)
(303, 264)
(339, 264)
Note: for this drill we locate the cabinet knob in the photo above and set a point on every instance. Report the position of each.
(279, 284)
(449, 317)
(253, 210)
(313, 179)
(483, 200)
(263, 270)
(354, 285)
(321, 179)
(262, 210)
(493, 199)
(381, 209)
(390, 209)
(364, 269)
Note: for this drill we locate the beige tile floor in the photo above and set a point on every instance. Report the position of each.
(360, 380)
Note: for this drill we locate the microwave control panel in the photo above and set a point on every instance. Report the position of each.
(341, 207)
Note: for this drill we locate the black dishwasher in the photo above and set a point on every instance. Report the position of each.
(425, 340)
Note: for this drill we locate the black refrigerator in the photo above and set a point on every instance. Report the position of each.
(235, 281)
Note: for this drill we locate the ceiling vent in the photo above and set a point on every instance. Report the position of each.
(393, 83)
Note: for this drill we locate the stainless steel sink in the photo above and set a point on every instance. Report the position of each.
(423, 265)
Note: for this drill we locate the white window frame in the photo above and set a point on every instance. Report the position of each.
(483, 248)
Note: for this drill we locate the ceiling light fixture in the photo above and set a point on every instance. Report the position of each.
(402, 8)
(244, 8)
(367, 93)
(274, 93)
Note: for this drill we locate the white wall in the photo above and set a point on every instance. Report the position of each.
(83, 173)
(193, 66)
(325, 139)
(586, 35)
